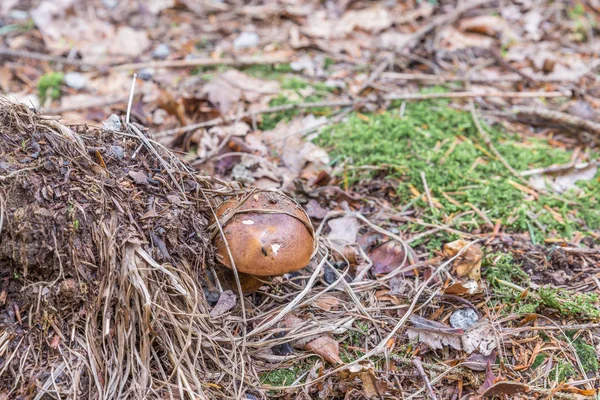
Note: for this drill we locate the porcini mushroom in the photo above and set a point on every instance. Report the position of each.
(267, 233)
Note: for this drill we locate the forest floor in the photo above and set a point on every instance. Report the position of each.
(447, 153)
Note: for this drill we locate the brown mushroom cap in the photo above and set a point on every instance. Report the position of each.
(267, 232)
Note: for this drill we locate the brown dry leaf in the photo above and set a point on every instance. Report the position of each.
(371, 385)
(226, 302)
(326, 303)
(480, 339)
(434, 334)
(452, 40)
(139, 177)
(469, 263)
(327, 347)
(374, 19)
(55, 342)
(390, 256)
(232, 86)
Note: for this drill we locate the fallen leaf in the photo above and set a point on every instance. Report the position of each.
(327, 347)
(225, 303)
(489, 378)
(343, 232)
(390, 256)
(452, 39)
(326, 303)
(55, 342)
(479, 362)
(139, 177)
(230, 87)
(565, 180)
(372, 386)
(480, 339)
(435, 335)
(469, 262)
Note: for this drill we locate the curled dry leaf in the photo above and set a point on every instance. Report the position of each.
(226, 302)
(327, 347)
(469, 263)
(372, 386)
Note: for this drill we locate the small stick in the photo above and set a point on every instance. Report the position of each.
(417, 363)
(42, 57)
(348, 103)
(199, 62)
(130, 98)
(427, 192)
(477, 79)
(560, 168)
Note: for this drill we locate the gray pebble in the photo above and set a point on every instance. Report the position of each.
(75, 80)
(464, 318)
(161, 51)
(245, 40)
(146, 74)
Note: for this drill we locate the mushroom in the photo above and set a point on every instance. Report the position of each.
(267, 233)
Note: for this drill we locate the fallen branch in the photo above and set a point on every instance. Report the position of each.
(204, 62)
(347, 103)
(558, 117)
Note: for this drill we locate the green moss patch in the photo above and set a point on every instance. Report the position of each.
(49, 85)
(461, 171)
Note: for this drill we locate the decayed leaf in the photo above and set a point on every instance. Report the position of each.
(390, 256)
(452, 40)
(326, 303)
(371, 385)
(327, 347)
(480, 339)
(434, 334)
(343, 232)
(374, 19)
(469, 263)
(232, 86)
(226, 302)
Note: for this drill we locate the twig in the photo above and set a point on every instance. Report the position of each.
(558, 117)
(42, 57)
(130, 101)
(427, 192)
(347, 103)
(560, 168)
(374, 75)
(417, 363)
(198, 62)
(83, 106)
(432, 78)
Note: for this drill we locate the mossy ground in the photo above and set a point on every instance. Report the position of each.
(460, 170)
(49, 85)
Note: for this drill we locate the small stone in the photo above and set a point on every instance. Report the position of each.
(463, 318)
(161, 51)
(146, 74)
(19, 15)
(75, 80)
(113, 123)
(246, 40)
(110, 4)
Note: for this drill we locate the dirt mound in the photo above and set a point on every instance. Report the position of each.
(103, 241)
